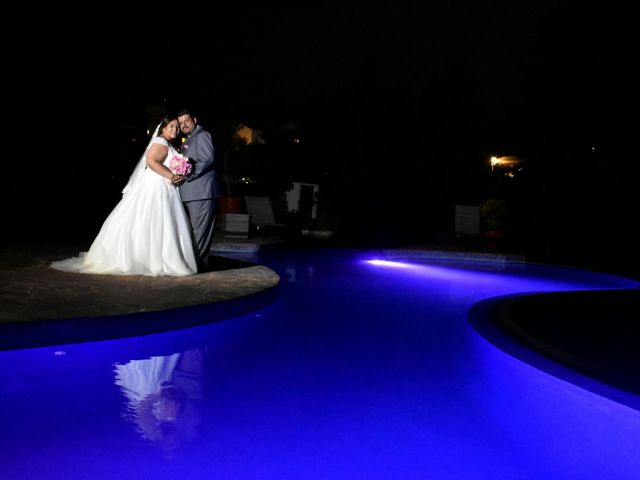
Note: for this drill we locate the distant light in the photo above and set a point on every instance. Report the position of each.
(505, 161)
(494, 161)
(245, 133)
(148, 132)
(296, 140)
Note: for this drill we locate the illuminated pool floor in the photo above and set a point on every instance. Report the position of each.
(358, 370)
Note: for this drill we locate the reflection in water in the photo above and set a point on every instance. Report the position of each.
(300, 275)
(164, 397)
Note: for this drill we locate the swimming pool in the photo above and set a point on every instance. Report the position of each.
(361, 368)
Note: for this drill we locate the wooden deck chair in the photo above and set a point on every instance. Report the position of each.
(261, 214)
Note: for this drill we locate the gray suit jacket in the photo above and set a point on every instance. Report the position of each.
(202, 183)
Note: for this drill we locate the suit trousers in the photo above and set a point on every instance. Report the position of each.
(201, 215)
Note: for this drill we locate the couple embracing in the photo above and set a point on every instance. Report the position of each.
(163, 225)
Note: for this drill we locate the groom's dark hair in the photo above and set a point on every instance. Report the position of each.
(185, 111)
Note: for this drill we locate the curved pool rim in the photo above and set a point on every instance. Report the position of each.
(486, 318)
(16, 336)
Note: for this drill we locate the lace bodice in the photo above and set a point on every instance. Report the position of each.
(172, 150)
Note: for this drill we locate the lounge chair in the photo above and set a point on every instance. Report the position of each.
(261, 215)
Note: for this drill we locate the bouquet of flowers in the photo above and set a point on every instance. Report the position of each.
(180, 165)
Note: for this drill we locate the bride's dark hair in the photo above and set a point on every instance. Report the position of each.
(169, 117)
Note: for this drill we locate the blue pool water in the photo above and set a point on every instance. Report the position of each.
(359, 369)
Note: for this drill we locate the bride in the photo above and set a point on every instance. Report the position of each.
(148, 232)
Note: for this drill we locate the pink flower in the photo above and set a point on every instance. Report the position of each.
(180, 165)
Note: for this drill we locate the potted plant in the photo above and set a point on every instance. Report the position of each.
(233, 169)
(229, 203)
(493, 213)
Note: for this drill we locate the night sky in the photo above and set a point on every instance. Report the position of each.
(280, 59)
(284, 56)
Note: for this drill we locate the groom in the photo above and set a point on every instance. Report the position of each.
(200, 190)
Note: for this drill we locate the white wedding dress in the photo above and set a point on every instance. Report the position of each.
(147, 233)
